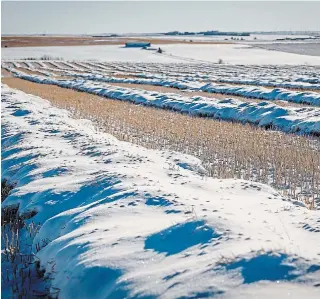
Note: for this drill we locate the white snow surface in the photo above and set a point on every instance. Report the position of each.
(238, 54)
(122, 221)
(305, 48)
(229, 53)
(304, 120)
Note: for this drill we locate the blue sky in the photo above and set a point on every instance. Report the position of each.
(74, 17)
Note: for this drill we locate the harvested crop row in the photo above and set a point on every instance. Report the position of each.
(267, 115)
(200, 93)
(51, 64)
(57, 74)
(28, 71)
(145, 73)
(311, 98)
(125, 75)
(229, 150)
(291, 86)
(269, 84)
(274, 76)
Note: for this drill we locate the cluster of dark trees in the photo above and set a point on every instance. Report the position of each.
(211, 32)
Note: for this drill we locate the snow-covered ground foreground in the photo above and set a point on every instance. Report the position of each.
(229, 53)
(121, 221)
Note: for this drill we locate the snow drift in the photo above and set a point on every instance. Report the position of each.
(123, 221)
(311, 98)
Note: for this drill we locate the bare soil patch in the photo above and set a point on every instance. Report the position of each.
(46, 41)
(5, 73)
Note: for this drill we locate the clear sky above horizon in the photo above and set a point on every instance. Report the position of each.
(87, 17)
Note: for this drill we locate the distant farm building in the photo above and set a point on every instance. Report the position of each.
(138, 45)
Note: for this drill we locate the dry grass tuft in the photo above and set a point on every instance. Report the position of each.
(19, 265)
(6, 187)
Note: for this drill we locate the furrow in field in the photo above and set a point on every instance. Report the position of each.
(35, 64)
(23, 64)
(81, 65)
(63, 65)
(30, 72)
(50, 64)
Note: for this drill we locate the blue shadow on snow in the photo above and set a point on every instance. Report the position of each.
(269, 267)
(21, 112)
(179, 237)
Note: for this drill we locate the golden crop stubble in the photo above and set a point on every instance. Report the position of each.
(288, 162)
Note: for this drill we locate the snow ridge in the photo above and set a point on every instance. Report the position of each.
(311, 98)
(121, 221)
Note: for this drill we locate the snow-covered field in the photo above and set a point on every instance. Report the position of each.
(239, 54)
(121, 221)
(229, 53)
(302, 120)
(297, 48)
(262, 113)
(117, 220)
